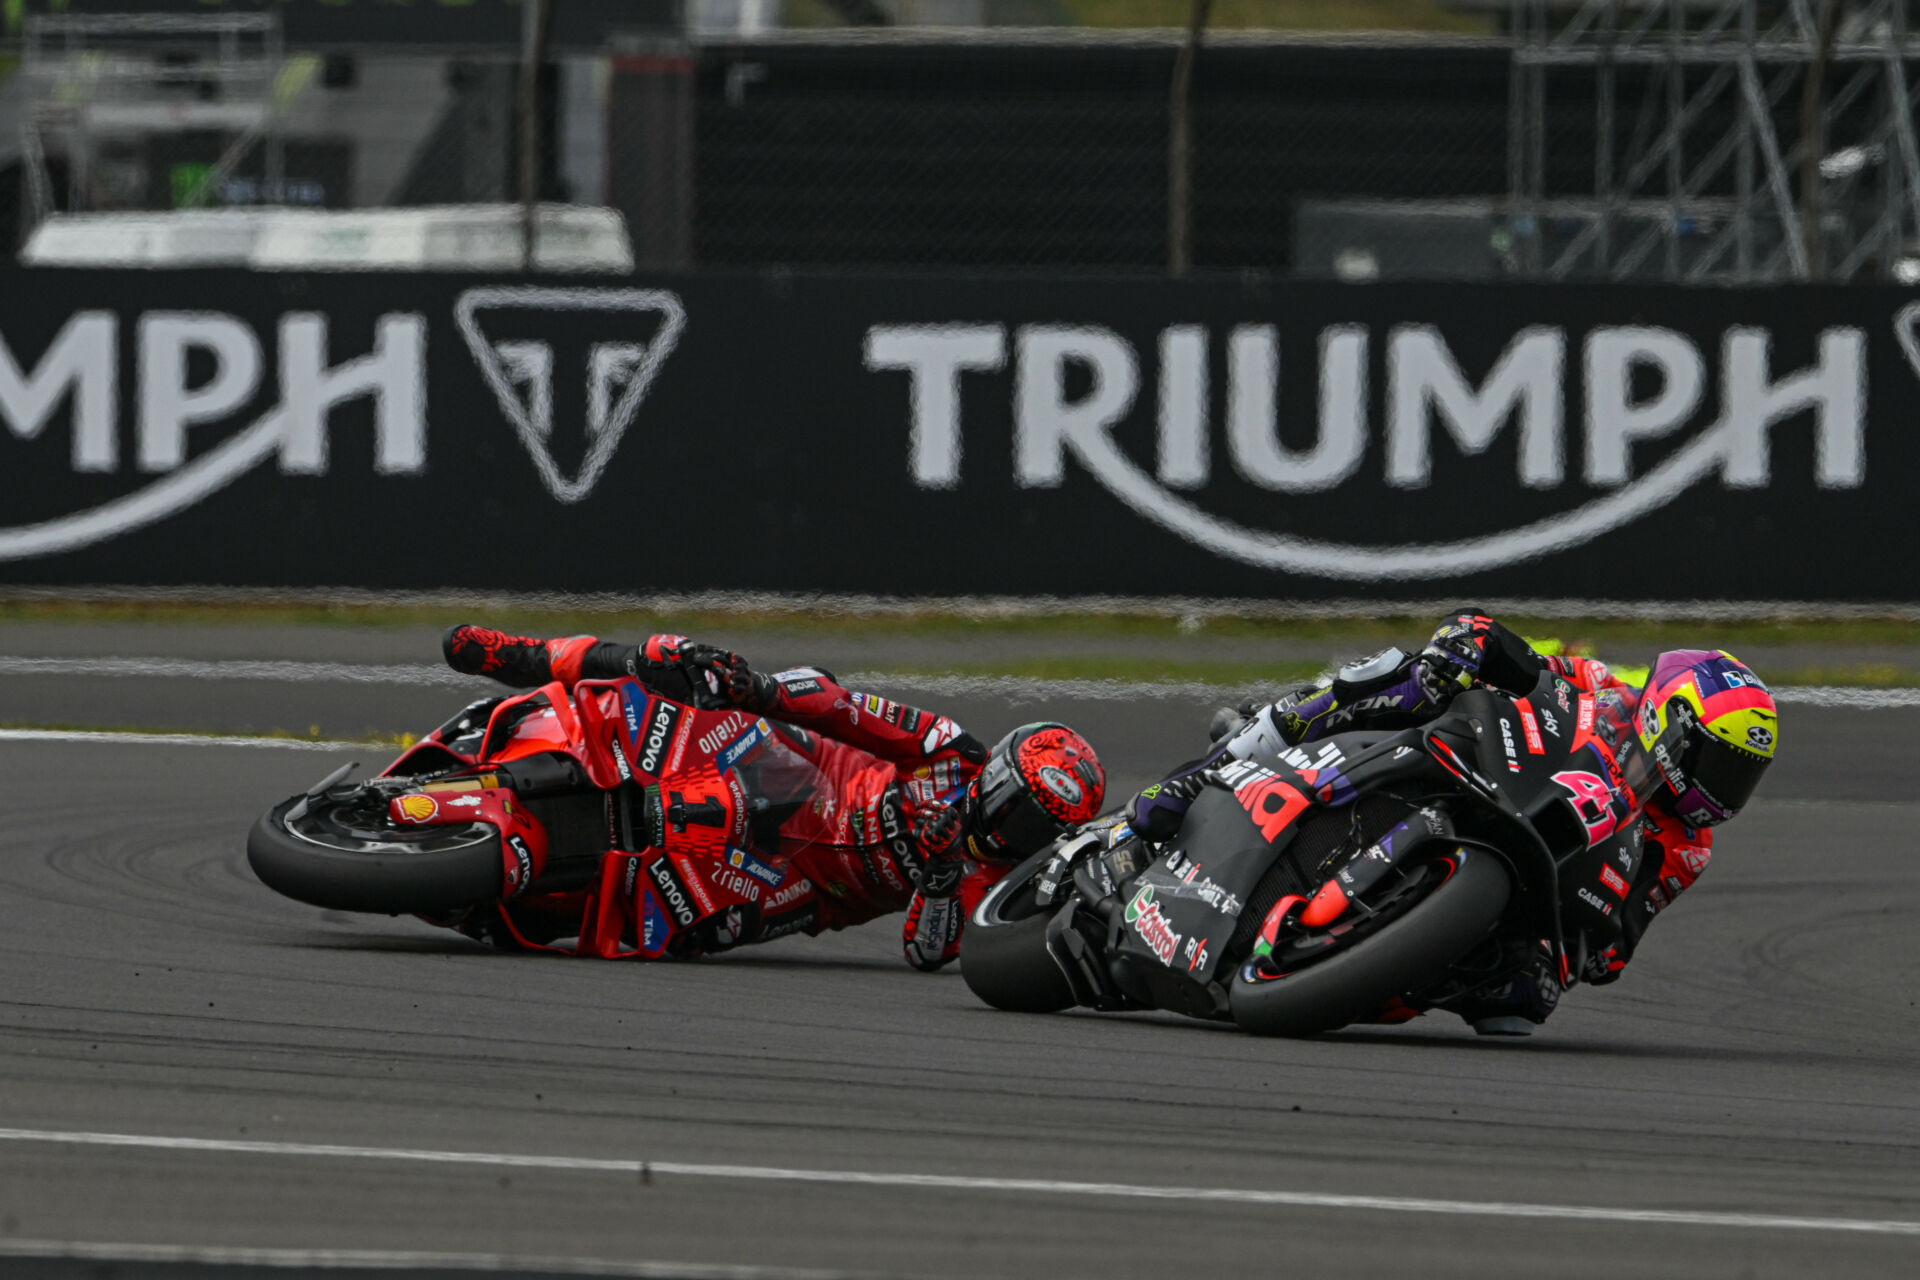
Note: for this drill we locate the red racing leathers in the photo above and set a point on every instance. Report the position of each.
(885, 769)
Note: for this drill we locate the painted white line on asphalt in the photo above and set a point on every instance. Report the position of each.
(396, 1259)
(1012, 688)
(1025, 1186)
(186, 740)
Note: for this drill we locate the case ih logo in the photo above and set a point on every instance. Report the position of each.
(190, 419)
(1073, 386)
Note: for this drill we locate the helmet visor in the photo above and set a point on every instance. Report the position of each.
(1725, 773)
(1014, 821)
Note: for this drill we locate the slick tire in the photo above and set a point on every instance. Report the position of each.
(455, 869)
(1003, 953)
(1405, 954)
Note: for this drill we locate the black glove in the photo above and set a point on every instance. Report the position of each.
(939, 831)
(719, 677)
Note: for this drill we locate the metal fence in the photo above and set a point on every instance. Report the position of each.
(1588, 139)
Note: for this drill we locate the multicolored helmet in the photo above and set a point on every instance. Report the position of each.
(1040, 782)
(1711, 728)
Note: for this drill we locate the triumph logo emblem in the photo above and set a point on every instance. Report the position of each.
(1633, 390)
(511, 330)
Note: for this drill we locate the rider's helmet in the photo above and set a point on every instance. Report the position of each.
(1039, 782)
(1711, 727)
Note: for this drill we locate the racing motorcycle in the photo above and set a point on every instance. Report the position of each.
(1313, 887)
(644, 824)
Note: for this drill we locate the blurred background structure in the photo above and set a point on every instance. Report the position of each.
(1727, 140)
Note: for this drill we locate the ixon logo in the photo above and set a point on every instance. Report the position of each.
(1428, 403)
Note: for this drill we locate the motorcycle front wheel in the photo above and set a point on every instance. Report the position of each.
(344, 854)
(1003, 952)
(1441, 912)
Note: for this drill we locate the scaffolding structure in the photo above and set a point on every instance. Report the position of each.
(99, 84)
(1728, 140)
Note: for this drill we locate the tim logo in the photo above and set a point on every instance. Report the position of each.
(563, 356)
(1657, 412)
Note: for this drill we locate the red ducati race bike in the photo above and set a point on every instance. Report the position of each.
(1361, 877)
(631, 823)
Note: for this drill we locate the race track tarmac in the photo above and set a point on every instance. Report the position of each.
(1758, 1059)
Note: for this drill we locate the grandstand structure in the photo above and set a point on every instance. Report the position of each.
(1746, 140)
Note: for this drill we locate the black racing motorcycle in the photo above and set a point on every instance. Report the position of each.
(1318, 886)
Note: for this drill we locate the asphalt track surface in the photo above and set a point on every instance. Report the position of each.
(1758, 1059)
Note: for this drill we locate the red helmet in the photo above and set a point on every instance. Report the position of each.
(1039, 782)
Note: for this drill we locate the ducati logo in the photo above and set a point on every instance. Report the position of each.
(511, 332)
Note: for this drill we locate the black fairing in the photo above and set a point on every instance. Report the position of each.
(1492, 772)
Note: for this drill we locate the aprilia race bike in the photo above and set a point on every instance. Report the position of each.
(642, 824)
(1337, 882)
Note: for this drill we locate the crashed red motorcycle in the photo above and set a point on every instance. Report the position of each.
(609, 821)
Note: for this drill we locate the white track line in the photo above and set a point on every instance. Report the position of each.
(395, 1260)
(1025, 1186)
(187, 740)
(1013, 688)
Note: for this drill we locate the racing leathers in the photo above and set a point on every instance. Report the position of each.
(1393, 690)
(888, 830)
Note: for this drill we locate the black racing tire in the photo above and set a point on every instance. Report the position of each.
(1404, 954)
(1003, 951)
(401, 871)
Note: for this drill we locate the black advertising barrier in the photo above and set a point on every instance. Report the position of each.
(929, 435)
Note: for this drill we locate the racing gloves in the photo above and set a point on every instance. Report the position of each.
(931, 935)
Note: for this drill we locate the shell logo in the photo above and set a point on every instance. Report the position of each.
(417, 808)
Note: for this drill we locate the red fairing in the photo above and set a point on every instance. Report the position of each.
(843, 853)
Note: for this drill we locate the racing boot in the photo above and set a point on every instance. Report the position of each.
(525, 662)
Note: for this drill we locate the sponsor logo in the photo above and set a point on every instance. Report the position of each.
(1530, 729)
(1694, 858)
(1436, 824)
(189, 372)
(660, 730)
(416, 808)
(1062, 784)
(793, 922)
(1193, 884)
(737, 750)
(1196, 954)
(631, 700)
(939, 735)
(462, 802)
(727, 880)
(1143, 916)
(1549, 721)
(1613, 880)
(620, 765)
(713, 739)
(1760, 738)
(631, 877)
(521, 872)
(1378, 702)
(673, 894)
(1506, 742)
(796, 888)
(730, 927)
(1075, 391)
(1593, 900)
(741, 860)
(653, 925)
(637, 330)
(1583, 722)
(1269, 800)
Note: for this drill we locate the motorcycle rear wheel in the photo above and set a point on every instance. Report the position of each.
(1400, 957)
(1003, 952)
(345, 859)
